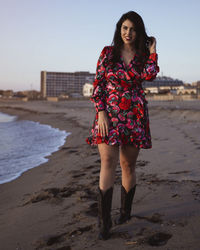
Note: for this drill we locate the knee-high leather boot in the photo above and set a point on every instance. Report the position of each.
(104, 213)
(126, 204)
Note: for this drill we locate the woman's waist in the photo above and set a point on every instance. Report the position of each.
(133, 94)
(124, 85)
(121, 90)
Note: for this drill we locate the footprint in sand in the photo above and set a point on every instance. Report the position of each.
(95, 153)
(92, 210)
(95, 171)
(141, 163)
(122, 235)
(52, 194)
(158, 239)
(50, 240)
(180, 172)
(78, 175)
(155, 218)
(89, 167)
(88, 194)
(98, 161)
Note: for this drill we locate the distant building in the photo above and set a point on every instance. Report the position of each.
(163, 81)
(30, 94)
(184, 91)
(152, 90)
(198, 89)
(55, 84)
(162, 84)
(7, 93)
(87, 89)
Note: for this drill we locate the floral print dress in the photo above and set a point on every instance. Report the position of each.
(119, 92)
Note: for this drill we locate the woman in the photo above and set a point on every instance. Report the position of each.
(121, 125)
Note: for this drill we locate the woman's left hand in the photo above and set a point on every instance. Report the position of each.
(152, 47)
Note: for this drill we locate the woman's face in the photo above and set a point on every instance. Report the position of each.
(128, 33)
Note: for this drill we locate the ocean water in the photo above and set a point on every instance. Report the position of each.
(25, 144)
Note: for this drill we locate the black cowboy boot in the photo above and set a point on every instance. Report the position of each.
(126, 204)
(104, 210)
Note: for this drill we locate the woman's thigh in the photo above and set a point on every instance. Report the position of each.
(108, 153)
(128, 155)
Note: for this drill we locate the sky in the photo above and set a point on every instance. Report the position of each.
(68, 36)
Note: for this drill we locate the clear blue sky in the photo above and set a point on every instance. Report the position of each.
(68, 35)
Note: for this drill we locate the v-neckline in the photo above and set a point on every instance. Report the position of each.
(130, 60)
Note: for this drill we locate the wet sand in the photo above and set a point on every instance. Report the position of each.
(54, 206)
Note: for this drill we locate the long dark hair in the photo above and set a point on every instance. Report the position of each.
(141, 37)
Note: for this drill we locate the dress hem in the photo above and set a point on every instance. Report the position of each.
(142, 146)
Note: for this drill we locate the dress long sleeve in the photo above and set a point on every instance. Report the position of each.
(151, 68)
(98, 95)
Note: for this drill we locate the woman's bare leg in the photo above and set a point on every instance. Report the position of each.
(109, 158)
(128, 157)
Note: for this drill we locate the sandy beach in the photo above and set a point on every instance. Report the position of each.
(54, 206)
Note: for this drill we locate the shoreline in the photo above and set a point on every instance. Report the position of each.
(24, 114)
(42, 159)
(54, 204)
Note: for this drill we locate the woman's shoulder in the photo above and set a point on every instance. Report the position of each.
(107, 49)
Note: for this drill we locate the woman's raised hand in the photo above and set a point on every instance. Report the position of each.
(103, 123)
(152, 46)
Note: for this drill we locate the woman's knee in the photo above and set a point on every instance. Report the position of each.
(127, 166)
(109, 161)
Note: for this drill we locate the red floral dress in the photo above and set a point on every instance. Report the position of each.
(119, 92)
